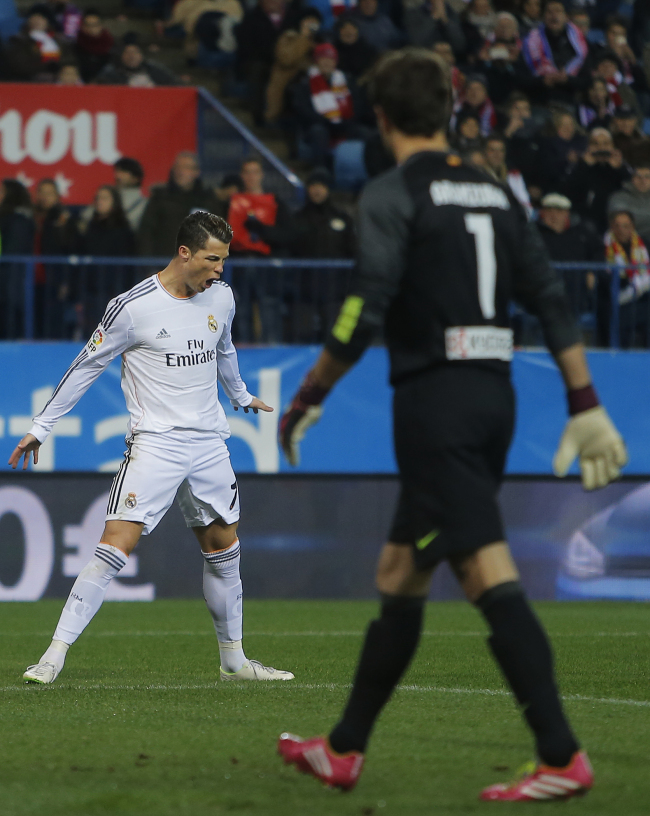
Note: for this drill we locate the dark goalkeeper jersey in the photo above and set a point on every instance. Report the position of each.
(443, 249)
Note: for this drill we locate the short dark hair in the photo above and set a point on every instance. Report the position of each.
(195, 229)
(131, 166)
(614, 215)
(615, 20)
(413, 88)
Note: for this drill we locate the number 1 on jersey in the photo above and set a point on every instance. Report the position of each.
(480, 226)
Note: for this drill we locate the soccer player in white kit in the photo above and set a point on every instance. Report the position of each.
(173, 331)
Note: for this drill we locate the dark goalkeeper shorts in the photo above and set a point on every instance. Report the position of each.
(452, 430)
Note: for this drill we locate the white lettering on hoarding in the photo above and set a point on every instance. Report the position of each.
(46, 137)
(38, 542)
(67, 426)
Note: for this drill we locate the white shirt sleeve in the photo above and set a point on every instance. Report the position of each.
(228, 367)
(99, 351)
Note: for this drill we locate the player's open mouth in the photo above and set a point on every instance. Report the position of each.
(210, 281)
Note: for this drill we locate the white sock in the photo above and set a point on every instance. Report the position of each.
(55, 653)
(88, 591)
(222, 591)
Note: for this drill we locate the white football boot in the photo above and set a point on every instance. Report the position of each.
(254, 670)
(43, 673)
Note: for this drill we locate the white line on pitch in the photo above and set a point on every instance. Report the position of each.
(329, 687)
(163, 633)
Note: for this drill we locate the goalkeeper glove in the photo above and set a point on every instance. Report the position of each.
(304, 411)
(591, 436)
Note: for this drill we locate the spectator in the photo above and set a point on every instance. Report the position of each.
(468, 137)
(495, 165)
(33, 54)
(209, 28)
(355, 55)
(608, 68)
(555, 53)
(560, 152)
(131, 68)
(94, 46)
(628, 137)
(331, 11)
(69, 75)
(616, 39)
(597, 175)
(634, 198)
(500, 59)
(626, 249)
(476, 101)
(256, 36)
(521, 134)
(64, 19)
(107, 234)
(16, 238)
(129, 175)
(260, 221)
(597, 109)
(479, 21)
(434, 21)
(170, 203)
(293, 51)
(446, 52)
(530, 16)
(326, 111)
(569, 239)
(230, 184)
(580, 18)
(375, 27)
(56, 234)
(322, 229)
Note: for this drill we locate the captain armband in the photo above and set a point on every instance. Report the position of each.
(348, 319)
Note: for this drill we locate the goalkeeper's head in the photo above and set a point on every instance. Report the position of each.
(410, 90)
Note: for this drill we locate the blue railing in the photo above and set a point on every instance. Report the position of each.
(279, 300)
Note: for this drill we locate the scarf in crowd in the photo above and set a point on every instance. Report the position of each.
(330, 99)
(47, 45)
(612, 89)
(539, 57)
(457, 83)
(486, 116)
(638, 279)
(340, 6)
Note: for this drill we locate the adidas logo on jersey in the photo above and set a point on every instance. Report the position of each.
(163, 335)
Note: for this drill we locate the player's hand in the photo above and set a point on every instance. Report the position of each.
(24, 448)
(305, 410)
(592, 437)
(255, 406)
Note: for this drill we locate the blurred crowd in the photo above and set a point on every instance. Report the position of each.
(550, 98)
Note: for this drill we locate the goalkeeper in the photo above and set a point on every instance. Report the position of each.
(442, 252)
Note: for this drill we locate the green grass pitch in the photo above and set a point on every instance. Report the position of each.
(138, 724)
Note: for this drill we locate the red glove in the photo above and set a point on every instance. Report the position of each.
(303, 412)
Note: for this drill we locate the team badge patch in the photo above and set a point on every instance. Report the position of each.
(130, 501)
(96, 340)
(212, 323)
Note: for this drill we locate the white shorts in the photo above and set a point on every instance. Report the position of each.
(156, 466)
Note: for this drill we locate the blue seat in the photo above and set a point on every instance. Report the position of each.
(646, 126)
(349, 168)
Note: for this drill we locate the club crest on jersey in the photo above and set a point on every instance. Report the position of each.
(130, 501)
(212, 323)
(96, 340)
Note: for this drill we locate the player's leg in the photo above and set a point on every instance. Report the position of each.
(520, 646)
(209, 499)
(86, 596)
(142, 491)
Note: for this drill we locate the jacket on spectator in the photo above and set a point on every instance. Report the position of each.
(632, 201)
(578, 243)
(118, 74)
(17, 233)
(635, 148)
(555, 157)
(188, 12)
(167, 207)
(21, 59)
(379, 31)
(257, 35)
(107, 240)
(590, 186)
(423, 30)
(93, 53)
(323, 231)
(261, 223)
(355, 59)
(292, 55)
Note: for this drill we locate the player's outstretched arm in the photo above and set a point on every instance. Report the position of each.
(590, 435)
(305, 409)
(25, 447)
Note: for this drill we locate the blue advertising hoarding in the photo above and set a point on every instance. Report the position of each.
(354, 434)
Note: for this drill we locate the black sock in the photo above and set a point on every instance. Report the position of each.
(390, 644)
(522, 650)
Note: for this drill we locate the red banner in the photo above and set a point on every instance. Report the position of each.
(75, 135)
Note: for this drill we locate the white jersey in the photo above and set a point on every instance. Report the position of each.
(173, 351)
